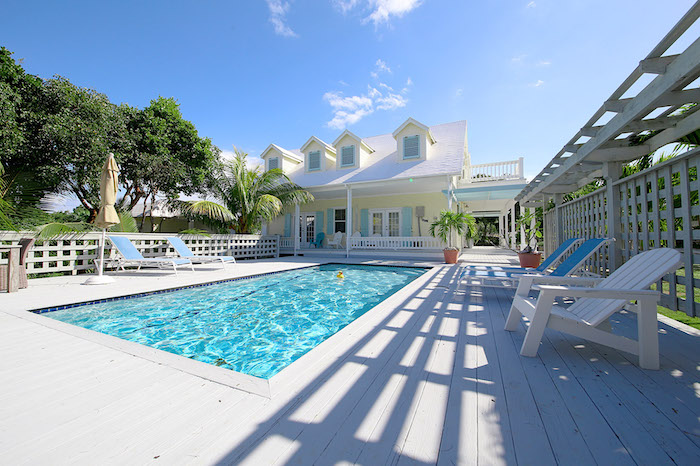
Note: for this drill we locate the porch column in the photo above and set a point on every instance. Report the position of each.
(348, 221)
(512, 226)
(501, 231)
(295, 226)
(450, 194)
(611, 173)
(264, 229)
(522, 231)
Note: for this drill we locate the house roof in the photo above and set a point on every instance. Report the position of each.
(355, 137)
(446, 158)
(417, 123)
(284, 152)
(314, 138)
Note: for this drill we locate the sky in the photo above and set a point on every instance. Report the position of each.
(526, 75)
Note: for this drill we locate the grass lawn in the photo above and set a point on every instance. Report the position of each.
(681, 316)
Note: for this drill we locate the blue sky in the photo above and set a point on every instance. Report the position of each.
(524, 74)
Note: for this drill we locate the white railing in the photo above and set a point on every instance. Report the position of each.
(286, 242)
(497, 171)
(396, 242)
(74, 253)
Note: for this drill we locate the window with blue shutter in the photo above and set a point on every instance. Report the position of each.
(314, 162)
(411, 147)
(273, 163)
(347, 156)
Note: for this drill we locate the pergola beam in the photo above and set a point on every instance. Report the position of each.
(667, 100)
(656, 65)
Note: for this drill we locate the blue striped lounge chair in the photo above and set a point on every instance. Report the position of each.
(186, 253)
(129, 255)
(550, 261)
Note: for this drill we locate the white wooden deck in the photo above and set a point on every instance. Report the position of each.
(431, 379)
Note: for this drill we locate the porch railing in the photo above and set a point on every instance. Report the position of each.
(659, 207)
(497, 171)
(382, 242)
(74, 253)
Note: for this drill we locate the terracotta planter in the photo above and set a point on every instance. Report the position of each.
(530, 259)
(451, 255)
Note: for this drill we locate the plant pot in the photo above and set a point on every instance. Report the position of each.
(451, 255)
(530, 259)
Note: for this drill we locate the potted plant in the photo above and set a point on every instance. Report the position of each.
(530, 225)
(449, 222)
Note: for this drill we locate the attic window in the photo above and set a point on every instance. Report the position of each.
(314, 160)
(411, 147)
(273, 163)
(347, 156)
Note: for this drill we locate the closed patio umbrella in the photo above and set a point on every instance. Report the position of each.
(107, 216)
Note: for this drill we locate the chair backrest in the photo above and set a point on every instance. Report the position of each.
(337, 236)
(575, 261)
(26, 244)
(357, 234)
(638, 273)
(319, 237)
(557, 253)
(180, 246)
(126, 247)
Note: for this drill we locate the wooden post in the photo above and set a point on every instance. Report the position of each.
(348, 221)
(611, 173)
(559, 229)
(501, 231)
(295, 226)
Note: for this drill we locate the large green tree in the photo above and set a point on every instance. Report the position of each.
(249, 196)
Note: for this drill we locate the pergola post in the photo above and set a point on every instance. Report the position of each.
(559, 229)
(348, 221)
(611, 173)
(501, 230)
(296, 227)
(545, 230)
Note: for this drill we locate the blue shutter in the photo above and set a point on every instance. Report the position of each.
(406, 221)
(288, 225)
(319, 222)
(347, 156)
(364, 222)
(330, 227)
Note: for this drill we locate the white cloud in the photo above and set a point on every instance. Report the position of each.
(459, 93)
(278, 15)
(544, 63)
(348, 110)
(531, 5)
(538, 83)
(252, 161)
(345, 5)
(381, 66)
(383, 10)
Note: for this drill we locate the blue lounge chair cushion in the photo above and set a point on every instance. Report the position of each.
(184, 251)
(128, 250)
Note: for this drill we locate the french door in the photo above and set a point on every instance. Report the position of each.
(307, 227)
(385, 222)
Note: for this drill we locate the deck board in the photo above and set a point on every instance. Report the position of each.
(430, 378)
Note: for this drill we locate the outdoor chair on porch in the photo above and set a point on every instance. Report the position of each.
(335, 240)
(569, 266)
(26, 244)
(318, 242)
(588, 317)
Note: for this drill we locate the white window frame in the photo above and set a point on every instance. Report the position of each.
(413, 157)
(270, 160)
(385, 219)
(308, 161)
(354, 156)
(343, 221)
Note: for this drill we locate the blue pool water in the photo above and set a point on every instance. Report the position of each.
(256, 326)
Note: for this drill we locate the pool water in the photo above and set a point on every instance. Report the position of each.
(257, 326)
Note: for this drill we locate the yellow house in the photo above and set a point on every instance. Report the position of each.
(384, 191)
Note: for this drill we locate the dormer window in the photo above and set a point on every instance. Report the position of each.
(273, 163)
(314, 160)
(347, 156)
(411, 147)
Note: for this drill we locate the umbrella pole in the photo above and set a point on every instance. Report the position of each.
(100, 279)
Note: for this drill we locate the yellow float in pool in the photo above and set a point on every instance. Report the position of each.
(340, 275)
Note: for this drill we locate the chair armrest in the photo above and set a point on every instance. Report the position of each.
(575, 281)
(613, 293)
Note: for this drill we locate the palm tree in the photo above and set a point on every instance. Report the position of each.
(448, 222)
(6, 208)
(249, 196)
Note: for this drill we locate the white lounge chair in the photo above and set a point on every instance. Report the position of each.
(335, 240)
(131, 256)
(186, 253)
(588, 316)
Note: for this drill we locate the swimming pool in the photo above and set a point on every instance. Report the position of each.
(256, 326)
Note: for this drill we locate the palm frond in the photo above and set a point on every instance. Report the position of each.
(195, 231)
(55, 229)
(209, 209)
(127, 223)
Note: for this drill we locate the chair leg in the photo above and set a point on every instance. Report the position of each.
(513, 319)
(648, 334)
(538, 323)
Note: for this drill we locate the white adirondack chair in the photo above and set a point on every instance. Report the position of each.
(335, 240)
(588, 316)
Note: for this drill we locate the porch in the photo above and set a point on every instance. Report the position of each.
(428, 377)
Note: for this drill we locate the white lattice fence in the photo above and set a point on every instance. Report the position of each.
(659, 207)
(75, 253)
